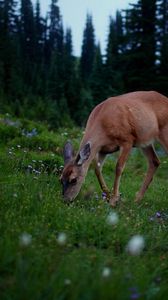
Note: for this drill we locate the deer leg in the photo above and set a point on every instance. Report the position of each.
(99, 161)
(125, 150)
(163, 138)
(153, 163)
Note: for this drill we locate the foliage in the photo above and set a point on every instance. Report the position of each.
(40, 78)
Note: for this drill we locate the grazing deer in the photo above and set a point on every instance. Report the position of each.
(119, 123)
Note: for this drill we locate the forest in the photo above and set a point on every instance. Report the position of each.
(42, 79)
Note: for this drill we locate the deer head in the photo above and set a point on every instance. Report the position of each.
(75, 169)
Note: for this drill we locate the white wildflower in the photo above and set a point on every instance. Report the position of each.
(25, 239)
(135, 245)
(106, 272)
(67, 281)
(61, 239)
(112, 218)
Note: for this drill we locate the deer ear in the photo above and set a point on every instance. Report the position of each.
(84, 154)
(67, 152)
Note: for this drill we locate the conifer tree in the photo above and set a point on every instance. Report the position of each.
(163, 47)
(39, 33)
(97, 77)
(55, 52)
(70, 73)
(55, 27)
(8, 45)
(27, 40)
(141, 45)
(88, 50)
(113, 63)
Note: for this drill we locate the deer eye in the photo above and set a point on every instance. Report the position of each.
(73, 181)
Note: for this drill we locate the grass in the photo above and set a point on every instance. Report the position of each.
(91, 262)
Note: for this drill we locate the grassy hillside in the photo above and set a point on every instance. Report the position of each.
(49, 250)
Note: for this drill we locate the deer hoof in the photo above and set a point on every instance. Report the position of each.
(114, 200)
(138, 198)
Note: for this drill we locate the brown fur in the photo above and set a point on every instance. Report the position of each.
(131, 120)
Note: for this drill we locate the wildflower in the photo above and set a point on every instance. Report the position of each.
(104, 196)
(158, 214)
(106, 272)
(30, 167)
(31, 133)
(112, 218)
(134, 293)
(36, 172)
(67, 281)
(25, 239)
(96, 196)
(136, 245)
(61, 239)
(64, 133)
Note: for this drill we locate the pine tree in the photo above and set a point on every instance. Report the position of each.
(39, 33)
(97, 77)
(113, 63)
(140, 54)
(27, 41)
(163, 47)
(70, 73)
(55, 27)
(55, 53)
(88, 50)
(39, 62)
(8, 47)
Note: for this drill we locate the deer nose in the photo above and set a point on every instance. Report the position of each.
(67, 199)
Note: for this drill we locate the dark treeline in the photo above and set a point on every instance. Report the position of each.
(40, 77)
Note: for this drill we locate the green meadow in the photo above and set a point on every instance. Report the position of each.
(53, 251)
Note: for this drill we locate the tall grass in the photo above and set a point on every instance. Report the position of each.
(50, 250)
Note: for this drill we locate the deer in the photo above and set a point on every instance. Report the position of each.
(136, 119)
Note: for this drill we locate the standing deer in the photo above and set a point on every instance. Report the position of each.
(119, 123)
